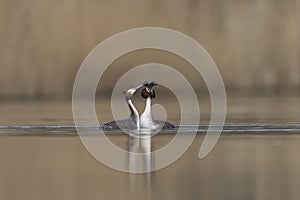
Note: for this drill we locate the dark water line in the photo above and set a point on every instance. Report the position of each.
(69, 130)
(183, 126)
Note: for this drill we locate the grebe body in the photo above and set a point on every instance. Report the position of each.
(133, 121)
(146, 119)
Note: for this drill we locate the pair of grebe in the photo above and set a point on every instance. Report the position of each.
(145, 121)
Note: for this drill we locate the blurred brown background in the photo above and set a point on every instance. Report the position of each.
(256, 44)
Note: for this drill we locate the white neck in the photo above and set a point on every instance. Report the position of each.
(147, 110)
(135, 112)
(146, 119)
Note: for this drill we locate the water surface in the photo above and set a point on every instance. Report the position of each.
(256, 157)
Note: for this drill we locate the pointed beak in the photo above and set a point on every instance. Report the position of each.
(137, 87)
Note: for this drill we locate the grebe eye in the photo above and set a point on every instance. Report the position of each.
(147, 89)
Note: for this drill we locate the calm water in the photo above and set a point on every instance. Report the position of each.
(257, 156)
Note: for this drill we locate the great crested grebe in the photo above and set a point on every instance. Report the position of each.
(133, 121)
(146, 119)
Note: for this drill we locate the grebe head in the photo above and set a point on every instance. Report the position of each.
(130, 92)
(148, 91)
